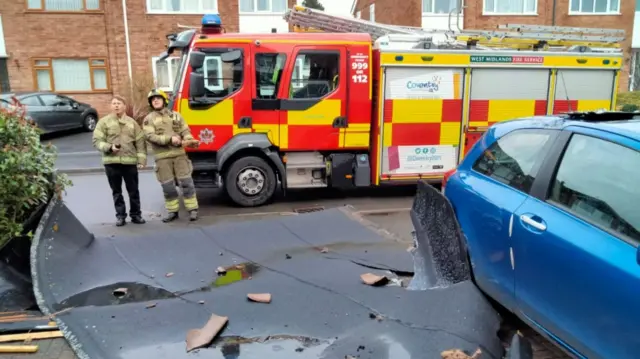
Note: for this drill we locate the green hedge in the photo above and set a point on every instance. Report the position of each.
(28, 177)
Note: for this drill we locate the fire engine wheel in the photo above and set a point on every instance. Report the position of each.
(250, 181)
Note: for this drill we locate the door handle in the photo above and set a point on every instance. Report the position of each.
(533, 223)
(245, 122)
(340, 122)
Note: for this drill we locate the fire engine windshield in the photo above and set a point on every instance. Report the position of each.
(181, 68)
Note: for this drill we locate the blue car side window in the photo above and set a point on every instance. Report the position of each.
(597, 180)
(514, 158)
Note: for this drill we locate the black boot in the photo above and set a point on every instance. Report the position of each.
(138, 220)
(193, 215)
(120, 222)
(171, 216)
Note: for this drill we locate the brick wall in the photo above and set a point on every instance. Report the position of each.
(403, 12)
(31, 34)
(473, 19)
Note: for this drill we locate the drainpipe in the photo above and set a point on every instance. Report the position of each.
(126, 39)
(553, 13)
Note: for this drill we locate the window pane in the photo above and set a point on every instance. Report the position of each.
(43, 79)
(155, 5)
(213, 73)
(247, 5)
(221, 79)
(614, 5)
(263, 5)
(162, 74)
(427, 5)
(268, 74)
(42, 63)
(209, 5)
(601, 5)
(587, 5)
(31, 101)
(575, 5)
(489, 5)
(97, 62)
(175, 68)
(530, 5)
(372, 12)
(34, 4)
(93, 4)
(63, 5)
(172, 5)
(279, 5)
(71, 75)
(512, 158)
(510, 6)
(444, 6)
(607, 197)
(190, 6)
(320, 80)
(50, 100)
(100, 79)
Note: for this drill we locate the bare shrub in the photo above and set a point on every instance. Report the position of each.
(136, 96)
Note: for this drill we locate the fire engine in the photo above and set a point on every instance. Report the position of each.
(351, 103)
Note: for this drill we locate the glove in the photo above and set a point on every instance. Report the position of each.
(191, 143)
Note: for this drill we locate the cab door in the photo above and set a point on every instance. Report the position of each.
(313, 103)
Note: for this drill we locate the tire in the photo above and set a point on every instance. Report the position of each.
(250, 168)
(89, 122)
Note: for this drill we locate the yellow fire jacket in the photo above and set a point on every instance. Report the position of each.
(159, 127)
(124, 131)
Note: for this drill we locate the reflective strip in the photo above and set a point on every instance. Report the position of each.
(119, 159)
(172, 205)
(170, 153)
(191, 203)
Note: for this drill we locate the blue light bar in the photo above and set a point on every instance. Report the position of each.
(212, 20)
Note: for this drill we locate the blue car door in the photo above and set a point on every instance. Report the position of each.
(491, 189)
(575, 246)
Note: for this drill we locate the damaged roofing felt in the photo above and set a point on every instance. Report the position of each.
(137, 297)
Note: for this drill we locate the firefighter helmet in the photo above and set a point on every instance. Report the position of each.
(158, 93)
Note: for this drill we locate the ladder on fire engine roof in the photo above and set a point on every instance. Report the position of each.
(515, 37)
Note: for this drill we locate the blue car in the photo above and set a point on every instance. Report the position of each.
(550, 209)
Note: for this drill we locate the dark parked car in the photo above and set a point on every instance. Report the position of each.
(53, 112)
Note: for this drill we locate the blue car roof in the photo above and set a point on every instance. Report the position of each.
(628, 128)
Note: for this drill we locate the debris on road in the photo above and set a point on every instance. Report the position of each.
(259, 297)
(459, 354)
(18, 348)
(373, 280)
(198, 338)
(120, 292)
(170, 274)
(151, 305)
(221, 271)
(287, 256)
(324, 250)
(30, 336)
(20, 322)
(375, 316)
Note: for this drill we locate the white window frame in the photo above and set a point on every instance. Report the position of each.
(372, 12)
(431, 12)
(256, 11)
(83, 8)
(581, 13)
(172, 77)
(220, 86)
(200, 11)
(358, 15)
(495, 13)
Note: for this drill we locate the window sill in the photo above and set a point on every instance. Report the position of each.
(261, 13)
(573, 13)
(508, 14)
(80, 12)
(181, 13)
(439, 15)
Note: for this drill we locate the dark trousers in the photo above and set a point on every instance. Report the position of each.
(129, 173)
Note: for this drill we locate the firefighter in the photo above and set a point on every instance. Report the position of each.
(167, 133)
(122, 143)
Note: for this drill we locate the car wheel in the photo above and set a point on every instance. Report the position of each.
(250, 181)
(90, 122)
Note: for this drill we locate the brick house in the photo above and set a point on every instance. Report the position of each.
(487, 14)
(79, 47)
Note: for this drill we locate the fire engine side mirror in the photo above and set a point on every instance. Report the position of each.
(231, 56)
(196, 85)
(196, 60)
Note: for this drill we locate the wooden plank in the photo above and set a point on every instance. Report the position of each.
(30, 336)
(18, 348)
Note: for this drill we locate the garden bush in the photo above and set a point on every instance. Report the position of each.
(28, 177)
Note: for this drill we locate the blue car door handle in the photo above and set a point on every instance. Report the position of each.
(539, 225)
